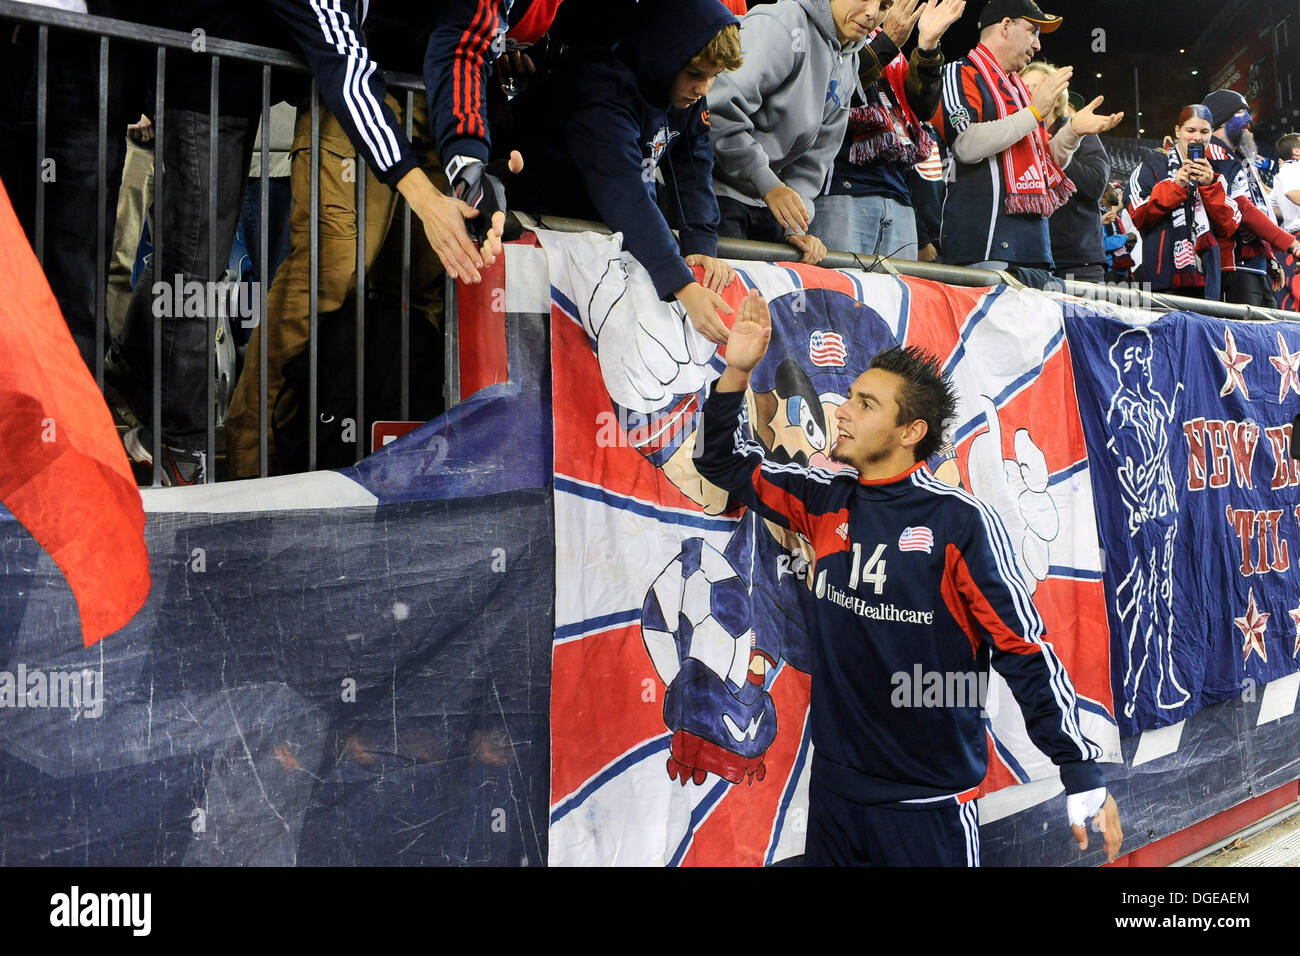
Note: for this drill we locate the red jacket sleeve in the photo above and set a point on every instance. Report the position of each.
(1262, 225)
(1224, 215)
(1166, 196)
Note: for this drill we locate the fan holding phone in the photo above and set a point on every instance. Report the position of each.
(1179, 204)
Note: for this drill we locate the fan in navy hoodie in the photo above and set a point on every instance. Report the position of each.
(629, 118)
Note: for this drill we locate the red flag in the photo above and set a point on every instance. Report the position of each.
(63, 472)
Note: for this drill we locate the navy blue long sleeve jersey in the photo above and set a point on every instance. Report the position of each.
(328, 34)
(913, 577)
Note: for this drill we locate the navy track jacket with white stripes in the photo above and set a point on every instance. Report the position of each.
(913, 578)
(328, 34)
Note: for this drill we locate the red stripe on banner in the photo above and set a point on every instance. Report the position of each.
(1075, 615)
(998, 775)
(939, 313)
(608, 712)
(738, 830)
(481, 317)
(63, 472)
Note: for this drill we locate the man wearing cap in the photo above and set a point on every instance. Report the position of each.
(1246, 256)
(1008, 176)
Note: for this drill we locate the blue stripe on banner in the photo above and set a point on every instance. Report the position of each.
(1007, 393)
(702, 810)
(1074, 574)
(1092, 707)
(571, 310)
(1019, 383)
(601, 623)
(646, 750)
(1012, 763)
(904, 310)
(972, 320)
(1065, 474)
(604, 496)
(794, 276)
(565, 303)
(745, 278)
(801, 758)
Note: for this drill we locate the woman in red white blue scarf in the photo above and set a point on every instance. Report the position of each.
(1180, 205)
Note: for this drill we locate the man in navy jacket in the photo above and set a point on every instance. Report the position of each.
(628, 120)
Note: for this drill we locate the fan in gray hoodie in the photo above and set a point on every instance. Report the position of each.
(777, 122)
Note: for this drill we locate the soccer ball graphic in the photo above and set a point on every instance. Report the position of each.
(698, 607)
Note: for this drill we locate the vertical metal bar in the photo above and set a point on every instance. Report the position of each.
(42, 94)
(360, 352)
(451, 323)
(101, 212)
(404, 340)
(314, 277)
(214, 85)
(156, 233)
(263, 229)
(1137, 103)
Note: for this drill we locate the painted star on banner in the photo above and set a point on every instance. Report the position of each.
(1252, 627)
(1235, 362)
(1288, 366)
(1295, 619)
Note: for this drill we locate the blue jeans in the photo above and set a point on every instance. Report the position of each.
(867, 225)
(184, 220)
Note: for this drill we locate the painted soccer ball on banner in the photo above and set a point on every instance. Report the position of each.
(698, 607)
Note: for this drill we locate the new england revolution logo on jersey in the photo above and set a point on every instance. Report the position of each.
(919, 538)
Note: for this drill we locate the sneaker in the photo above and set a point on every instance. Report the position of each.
(181, 466)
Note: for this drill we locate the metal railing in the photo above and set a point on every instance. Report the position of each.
(1133, 297)
(162, 40)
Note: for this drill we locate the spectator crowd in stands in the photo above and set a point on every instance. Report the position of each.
(829, 125)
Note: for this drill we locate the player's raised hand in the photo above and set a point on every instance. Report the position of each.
(750, 333)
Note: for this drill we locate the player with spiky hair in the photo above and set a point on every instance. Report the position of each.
(913, 577)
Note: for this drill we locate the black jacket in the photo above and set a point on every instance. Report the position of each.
(1076, 226)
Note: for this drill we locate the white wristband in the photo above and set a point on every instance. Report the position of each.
(1081, 807)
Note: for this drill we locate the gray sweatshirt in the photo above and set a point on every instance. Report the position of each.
(781, 117)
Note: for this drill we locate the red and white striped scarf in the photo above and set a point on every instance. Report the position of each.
(1033, 182)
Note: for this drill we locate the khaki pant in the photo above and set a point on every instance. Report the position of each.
(289, 299)
(134, 200)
